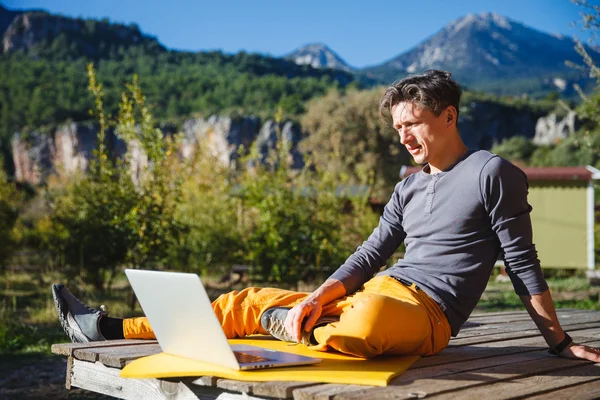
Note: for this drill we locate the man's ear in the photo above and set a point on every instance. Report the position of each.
(450, 115)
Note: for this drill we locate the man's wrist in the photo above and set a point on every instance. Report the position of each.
(556, 350)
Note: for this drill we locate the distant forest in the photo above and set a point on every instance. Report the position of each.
(46, 83)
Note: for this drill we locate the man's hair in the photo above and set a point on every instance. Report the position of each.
(433, 90)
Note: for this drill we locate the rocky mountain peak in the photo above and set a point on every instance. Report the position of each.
(6, 18)
(486, 20)
(485, 51)
(318, 55)
(31, 30)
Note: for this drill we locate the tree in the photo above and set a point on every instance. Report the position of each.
(296, 224)
(9, 201)
(347, 136)
(106, 218)
(516, 148)
(584, 146)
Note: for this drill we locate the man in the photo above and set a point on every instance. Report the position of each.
(455, 216)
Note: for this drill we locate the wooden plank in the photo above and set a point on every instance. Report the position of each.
(449, 384)
(69, 372)
(461, 366)
(478, 314)
(475, 364)
(101, 379)
(116, 356)
(494, 337)
(524, 387)
(585, 391)
(236, 386)
(464, 366)
(66, 349)
(466, 353)
(205, 381)
(523, 316)
(325, 391)
(527, 323)
(506, 335)
(499, 329)
(499, 319)
(492, 313)
(279, 389)
(493, 349)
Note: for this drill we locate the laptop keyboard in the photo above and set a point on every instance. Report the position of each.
(250, 358)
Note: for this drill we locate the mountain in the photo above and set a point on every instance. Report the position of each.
(44, 80)
(6, 18)
(318, 55)
(492, 53)
(40, 33)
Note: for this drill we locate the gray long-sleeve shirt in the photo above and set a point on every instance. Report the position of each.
(454, 224)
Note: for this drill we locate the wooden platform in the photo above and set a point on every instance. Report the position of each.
(495, 356)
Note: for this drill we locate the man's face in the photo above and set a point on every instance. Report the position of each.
(420, 130)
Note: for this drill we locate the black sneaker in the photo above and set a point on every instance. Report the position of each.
(272, 321)
(79, 321)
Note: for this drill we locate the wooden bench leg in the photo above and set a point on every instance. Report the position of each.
(69, 373)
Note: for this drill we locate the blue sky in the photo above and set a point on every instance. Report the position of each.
(362, 33)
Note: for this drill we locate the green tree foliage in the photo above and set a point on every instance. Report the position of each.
(46, 82)
(582, 148)
(348, 137)
(516, 148)
(9, 203)
(108, 218)
(197, 215)
(298, 223)
(210, 211)
(288, 225)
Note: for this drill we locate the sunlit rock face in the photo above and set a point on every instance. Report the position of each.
(552, 129)
(318, 55)
(69, 148)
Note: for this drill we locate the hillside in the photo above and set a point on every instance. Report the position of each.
(492, 53)
(44, 78)
(318, 55)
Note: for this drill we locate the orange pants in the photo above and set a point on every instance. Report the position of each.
(384, 317)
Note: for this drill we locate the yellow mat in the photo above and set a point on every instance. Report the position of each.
(335, 368)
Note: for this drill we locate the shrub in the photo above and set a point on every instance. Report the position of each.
(9, 201)
(298, 223)
(348, 137)
(109, 217)
(516, 148)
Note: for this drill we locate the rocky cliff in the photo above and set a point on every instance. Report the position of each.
(69, 148)
(483, 124)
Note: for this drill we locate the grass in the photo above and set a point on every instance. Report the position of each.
(28, 322)
(568, 291)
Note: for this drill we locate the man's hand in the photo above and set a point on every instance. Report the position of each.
(305, 314)
(580, 351)
(309, 309)
(541, 309)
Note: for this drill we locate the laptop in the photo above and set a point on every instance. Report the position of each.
(182, 318)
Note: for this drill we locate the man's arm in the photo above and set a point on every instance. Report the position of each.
(541, 309)
(504, 191)
(358, 268)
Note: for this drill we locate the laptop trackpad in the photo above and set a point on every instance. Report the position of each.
(271, 355)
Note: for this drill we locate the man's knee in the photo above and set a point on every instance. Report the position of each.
(376, 325)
